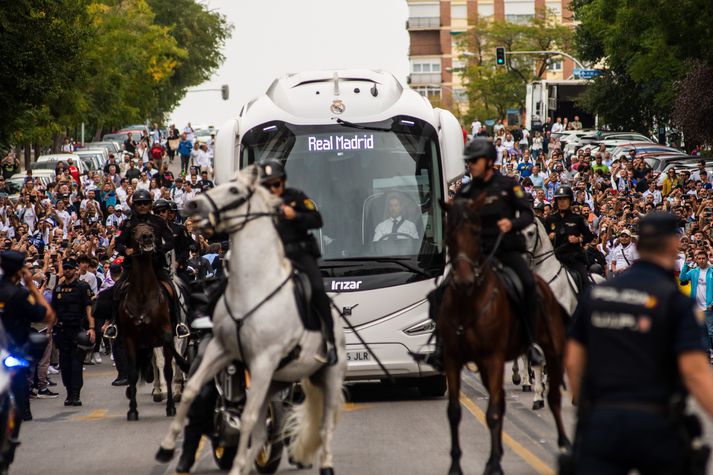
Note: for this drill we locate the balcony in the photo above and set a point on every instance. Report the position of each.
(425, 78)
(423, 23)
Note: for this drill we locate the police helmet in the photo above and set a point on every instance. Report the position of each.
(271, 170)
(172, 206)
(69, 263)
(83, 341)
(480, 148)
(142, 196)
(160, 205)
(564, 192)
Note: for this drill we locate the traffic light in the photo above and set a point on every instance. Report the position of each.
(500, 56)
(225, 92)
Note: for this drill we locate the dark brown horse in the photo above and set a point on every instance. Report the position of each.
(144, 320)
(479, 324)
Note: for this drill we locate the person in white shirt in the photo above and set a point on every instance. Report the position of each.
(190, 133)
(121, 191)
(396, 226)
(117, 217)
(557, 126)
(177, 193)
(203, 159)
(623, 255)
(85, 275)
(144, 183)
(498, 127)
(475, 127)
(89, 199)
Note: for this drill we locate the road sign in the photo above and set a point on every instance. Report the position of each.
(586, 73)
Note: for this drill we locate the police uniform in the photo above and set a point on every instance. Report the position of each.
(163, 234)
(633, 328)
(302, 249)
(566, 224)
(70, 301)
(18, 310)
(505, 198)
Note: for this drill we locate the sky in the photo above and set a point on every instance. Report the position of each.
(274, 37)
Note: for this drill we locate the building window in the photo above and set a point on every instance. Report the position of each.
(459, 12)
(554, 65)
(555, 8)
(426, 65)
(486, 10)
(519, 11)
(428, 91)
(460, 95)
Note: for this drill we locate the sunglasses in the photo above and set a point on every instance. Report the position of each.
(274, 186)
(142, 203)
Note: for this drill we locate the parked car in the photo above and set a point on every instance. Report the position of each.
(642, 148)
(94, 159)
(17, 181)
(658, 160)
(49, 162)
(689, 164)
(110, 146)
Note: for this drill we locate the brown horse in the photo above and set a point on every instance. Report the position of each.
(479, 324)
(144, 320)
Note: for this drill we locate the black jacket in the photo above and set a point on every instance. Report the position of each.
(161, 231)
(568, 224)
(504, 198)
(297, 230)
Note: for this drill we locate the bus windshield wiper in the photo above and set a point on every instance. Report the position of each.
(346, 123)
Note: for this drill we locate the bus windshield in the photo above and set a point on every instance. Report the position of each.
(376, 185)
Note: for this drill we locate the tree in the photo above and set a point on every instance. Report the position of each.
(644, 46)
(41, 43)
(493, 89)
(201, 33)
(692, 110)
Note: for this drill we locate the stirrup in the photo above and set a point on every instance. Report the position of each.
(111, 332)
(182, 330)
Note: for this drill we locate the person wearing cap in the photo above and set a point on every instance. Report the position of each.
(72, 301)
(298, 215)
(635, 349)
(19, 309)
(569, 233)
(505, 212)
(701, 278)
(623, 255)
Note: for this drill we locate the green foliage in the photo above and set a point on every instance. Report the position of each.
(102, 62)
(201, 34)
(644, 46)
(493, 89)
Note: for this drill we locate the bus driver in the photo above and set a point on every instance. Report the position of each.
(395, 224)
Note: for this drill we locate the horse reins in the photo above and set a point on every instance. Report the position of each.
(214, 216)
(478, 269)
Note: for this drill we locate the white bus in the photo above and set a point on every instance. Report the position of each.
(366, 149)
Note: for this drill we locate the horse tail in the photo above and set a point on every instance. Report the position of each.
(302, 428)
(143, 360)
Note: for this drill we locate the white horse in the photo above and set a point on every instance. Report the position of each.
(257, 322)
(542, 259)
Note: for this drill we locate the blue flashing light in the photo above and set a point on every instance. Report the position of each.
(12, 362)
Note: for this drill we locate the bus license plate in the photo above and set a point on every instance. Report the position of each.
(358, 356)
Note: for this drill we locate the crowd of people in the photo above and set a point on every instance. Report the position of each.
(612, 194)
(75, 221)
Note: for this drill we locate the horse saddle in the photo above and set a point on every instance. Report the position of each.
(513, 285)
(303, 297)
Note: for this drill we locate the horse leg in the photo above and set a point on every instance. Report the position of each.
(261, 371)
(330, 380)
(259, 435)
(133, 374)
(527, 385)
(539, 388)
(516, 379)
(454, 414)
(555, 379)
(178, 376)
(214, 359)
(493, 380)
(159, 382)
(168, 374)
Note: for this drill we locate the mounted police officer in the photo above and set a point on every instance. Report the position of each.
(19, 308)
(181, 239)
(72, 301)
(635, 344)
(298, 214)
(505, 212)
(125, 245)
(569, 233)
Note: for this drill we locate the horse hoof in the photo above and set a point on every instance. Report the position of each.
(132, 416)
(526, 388)
(170, 411)
(516, 379)
(164, 455)
(326, 471)
(538, 405)
(157, 397)
(493, 469)
(455, 471)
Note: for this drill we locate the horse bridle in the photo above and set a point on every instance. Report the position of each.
(214, 216)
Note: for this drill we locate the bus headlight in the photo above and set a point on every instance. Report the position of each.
(421, 328)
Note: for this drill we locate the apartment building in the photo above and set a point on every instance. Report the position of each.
(434, 27)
